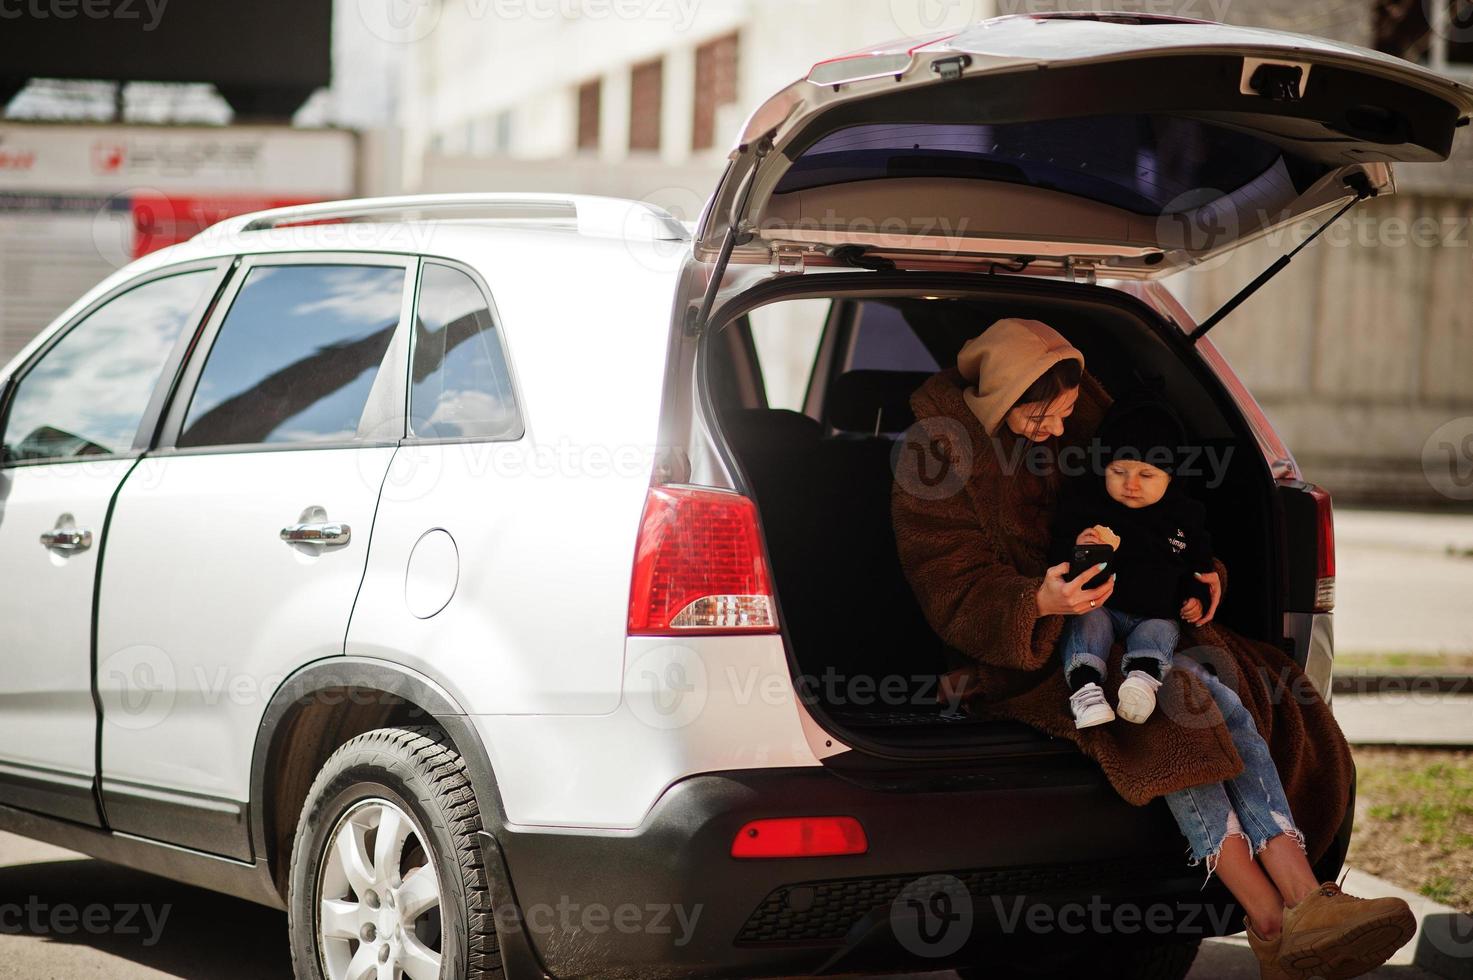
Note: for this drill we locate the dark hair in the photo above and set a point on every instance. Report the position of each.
(1064, 376)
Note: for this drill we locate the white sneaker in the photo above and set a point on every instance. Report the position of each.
(1137, 696)
(1090, 707)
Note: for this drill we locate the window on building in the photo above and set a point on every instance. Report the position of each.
(503, 124)
(646, 86)
(590, 103)
(296, 356)
(1435, 33)
(716, 86)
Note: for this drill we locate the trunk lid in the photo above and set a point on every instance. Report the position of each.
(1128, 146)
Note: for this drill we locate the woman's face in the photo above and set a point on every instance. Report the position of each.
(1040, 422)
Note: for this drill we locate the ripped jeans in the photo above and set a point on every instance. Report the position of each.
(1251, 805)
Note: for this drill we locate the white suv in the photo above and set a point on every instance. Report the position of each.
(436, 569)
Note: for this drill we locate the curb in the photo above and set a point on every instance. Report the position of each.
(1354, 682)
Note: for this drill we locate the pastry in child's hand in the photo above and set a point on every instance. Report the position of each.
(1106, 535)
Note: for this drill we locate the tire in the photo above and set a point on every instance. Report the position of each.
(422, 903)
(1172, 961)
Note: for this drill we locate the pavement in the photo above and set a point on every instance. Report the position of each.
(67, 917)
(1406, 718)
(1402, 582)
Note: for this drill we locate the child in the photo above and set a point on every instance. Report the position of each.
(1160, 546)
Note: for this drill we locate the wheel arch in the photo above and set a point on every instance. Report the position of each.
(325, 704)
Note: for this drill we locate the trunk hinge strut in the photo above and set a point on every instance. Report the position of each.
(728, 242)
(1358, 183)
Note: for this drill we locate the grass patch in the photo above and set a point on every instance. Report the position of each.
(1414, 821)
(1393, 662)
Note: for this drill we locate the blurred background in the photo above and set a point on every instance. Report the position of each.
(131, 124)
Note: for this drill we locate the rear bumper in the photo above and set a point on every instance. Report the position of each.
(997, 861)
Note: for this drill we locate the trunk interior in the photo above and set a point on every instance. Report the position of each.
(863, 655)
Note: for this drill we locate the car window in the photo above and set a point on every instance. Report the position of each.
(296, 356)
(885, 341)
(461, 386)
(786, 336)
(86, 396)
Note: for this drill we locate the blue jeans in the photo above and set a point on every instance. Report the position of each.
(1088, 636)
(1251, 805)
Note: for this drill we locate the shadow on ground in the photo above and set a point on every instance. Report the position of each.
(153, 922)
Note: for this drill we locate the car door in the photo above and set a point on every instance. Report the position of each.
(238, 547)
(80, 408)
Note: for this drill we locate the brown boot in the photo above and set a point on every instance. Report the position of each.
(1334, 936)
(1267, 951)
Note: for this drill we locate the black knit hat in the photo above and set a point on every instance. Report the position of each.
(1142, 426)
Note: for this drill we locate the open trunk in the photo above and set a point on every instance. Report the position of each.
(863, 655)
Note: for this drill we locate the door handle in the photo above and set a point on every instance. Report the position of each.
(67, 539)
(329, 533)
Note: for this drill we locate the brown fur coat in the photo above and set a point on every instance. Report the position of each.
(972, 541)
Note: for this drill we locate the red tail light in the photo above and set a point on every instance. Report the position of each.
(699, 566)
(793, 837)
(1324, 584)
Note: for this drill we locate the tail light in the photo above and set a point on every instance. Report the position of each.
(1324, 582)
(793, 837)
(699, 566)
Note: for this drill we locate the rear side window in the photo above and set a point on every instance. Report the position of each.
(86, 396)
(461, 387)
(296, 356)
(885, 341)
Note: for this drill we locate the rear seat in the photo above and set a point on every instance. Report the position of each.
(825, 505)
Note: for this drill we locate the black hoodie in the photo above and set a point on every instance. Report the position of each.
(1161, 546)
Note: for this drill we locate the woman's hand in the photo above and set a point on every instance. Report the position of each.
(1191, 610)
(1057, 597)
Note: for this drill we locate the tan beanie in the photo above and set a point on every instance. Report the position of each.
(1002, 361)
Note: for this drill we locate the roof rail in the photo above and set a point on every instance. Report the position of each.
(604, 217)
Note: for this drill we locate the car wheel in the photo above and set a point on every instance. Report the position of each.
(386, 874)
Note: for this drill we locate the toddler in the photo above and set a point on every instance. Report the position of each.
(1160, 547)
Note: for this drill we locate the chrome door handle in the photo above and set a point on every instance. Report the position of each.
(67, 539)
(317, 532)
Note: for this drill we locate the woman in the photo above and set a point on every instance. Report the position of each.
(974, 555)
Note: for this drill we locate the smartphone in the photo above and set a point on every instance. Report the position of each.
(1087, 556)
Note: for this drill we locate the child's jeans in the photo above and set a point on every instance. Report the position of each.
(1088, 636)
